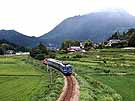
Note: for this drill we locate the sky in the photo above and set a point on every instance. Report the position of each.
(37, 17)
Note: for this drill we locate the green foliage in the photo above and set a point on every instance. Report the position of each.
(77, 56)
(22, 49)
(87, 44)
(52, 54)
(120, 45)
(116, 35)
(67, 43)
(105, 74)
(131, 41)
(39, 56)
(129, 36)
(1, 51)
(26, 79)
(5, 45)
(39, 52)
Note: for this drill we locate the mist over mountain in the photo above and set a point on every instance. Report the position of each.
(17, 38)
(96, 26)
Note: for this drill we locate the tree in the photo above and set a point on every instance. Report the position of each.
(1, 51)
(130, 36)
(116, 35)
(131, 41)
(87, 44)
(39, 52)
(68, 43)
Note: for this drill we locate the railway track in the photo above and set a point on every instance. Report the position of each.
(69, 90)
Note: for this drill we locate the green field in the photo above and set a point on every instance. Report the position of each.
(104, 74)
(24, 79)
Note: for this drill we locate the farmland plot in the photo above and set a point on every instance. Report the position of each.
(104, 74)
(24, 79)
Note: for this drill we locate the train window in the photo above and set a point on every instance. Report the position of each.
(64, 69)
(69, 66)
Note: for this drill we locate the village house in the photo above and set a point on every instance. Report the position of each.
(10, 52)
(76, 48)
(23, 53)
(114, 42)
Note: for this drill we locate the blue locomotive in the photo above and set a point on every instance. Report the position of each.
(66, 69)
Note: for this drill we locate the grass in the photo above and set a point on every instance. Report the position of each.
(123, 84)
(25, 79)
(19, 88)
(104, 74)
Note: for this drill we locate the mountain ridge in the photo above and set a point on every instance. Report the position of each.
(17, 38)
(97, 26)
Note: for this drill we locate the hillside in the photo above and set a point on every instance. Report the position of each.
(17, 38)
(95, 26)
(5, 46)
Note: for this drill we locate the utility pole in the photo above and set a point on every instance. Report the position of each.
(50, 76)
(50, 73)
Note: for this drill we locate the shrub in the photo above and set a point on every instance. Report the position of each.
(107, 70)
(52, 55)
(1, 51)
(40, 56)
(77, 56)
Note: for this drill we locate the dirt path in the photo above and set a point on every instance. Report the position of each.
(70, 90)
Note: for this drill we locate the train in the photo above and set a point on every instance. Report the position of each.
(64, 68)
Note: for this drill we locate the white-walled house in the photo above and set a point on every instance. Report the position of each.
(22, 53)
(115, 41)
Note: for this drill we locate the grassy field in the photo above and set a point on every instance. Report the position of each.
(24, 79)
(104, 74)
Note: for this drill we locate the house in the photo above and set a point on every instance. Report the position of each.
(10, 52)
(129, 48)
(82, 45)
(116, 42)
(113, 41)
(23, 53)
(52, 47)
(74, 49)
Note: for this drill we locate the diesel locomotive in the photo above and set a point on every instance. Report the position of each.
(65, 68)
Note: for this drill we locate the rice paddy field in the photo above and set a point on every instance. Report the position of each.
(104, 74)
(25, 79)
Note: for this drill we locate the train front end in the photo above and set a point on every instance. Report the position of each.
(67, 70)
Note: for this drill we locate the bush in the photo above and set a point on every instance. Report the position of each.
(77, 56)
(62, 51)
(107, 70)
(39, 52)
(40, 56)
(52, 55)
(1, 51)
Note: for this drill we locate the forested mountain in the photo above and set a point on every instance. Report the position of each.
(97, 27)
(17, 38)
(94, 26)
(6, 45)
